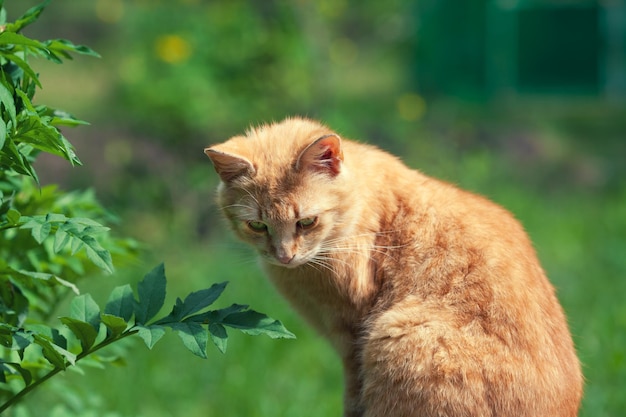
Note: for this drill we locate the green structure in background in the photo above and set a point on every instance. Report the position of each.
(486, 48)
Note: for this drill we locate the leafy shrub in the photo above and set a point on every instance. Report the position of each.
(50, 240)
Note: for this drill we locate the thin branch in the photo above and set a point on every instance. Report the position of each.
(27, 389)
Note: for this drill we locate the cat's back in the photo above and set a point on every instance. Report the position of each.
(464, 296)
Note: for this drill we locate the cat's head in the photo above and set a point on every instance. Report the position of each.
(283, 190)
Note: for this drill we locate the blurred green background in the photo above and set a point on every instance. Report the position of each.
(521, 101)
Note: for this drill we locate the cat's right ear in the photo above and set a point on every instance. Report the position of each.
(229, 166)
(323, 155)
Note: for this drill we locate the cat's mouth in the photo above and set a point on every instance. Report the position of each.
(293, 262)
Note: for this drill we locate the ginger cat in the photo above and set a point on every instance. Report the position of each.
(432, 296)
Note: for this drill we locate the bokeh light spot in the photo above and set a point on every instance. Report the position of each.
(411, 106)
(110, 11)
(172, 49)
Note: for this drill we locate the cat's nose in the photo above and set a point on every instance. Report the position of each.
(285, 258)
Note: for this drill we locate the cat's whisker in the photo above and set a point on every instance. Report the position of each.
(317, 262)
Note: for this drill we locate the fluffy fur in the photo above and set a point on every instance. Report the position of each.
(432, 296)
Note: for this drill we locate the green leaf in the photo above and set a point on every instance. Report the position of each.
(84, 308)
(216, 316)
(21, 340)
(61, 239)
(219, 336)
(62, 118)
(194, 337)
(116, 325)
(3, 132)
(54, 354)
(6, 335)
(6, 98)
(77, 245)
(254, 323)
(150, 334)
(40, 228)
(21, 63)
(29, 17)
(194, 302)
(151, 291)
(97, 254)
(12, 157)
(24, 373)
(63, 46)
(11, 38)
(55, 217)
(13, 216)
(83, 331)
(37, 132)
(121, 303)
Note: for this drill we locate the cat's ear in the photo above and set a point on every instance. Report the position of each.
(323, 155)
(228, 165)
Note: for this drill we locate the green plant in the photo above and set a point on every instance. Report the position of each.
(50, 240)
(123, 316)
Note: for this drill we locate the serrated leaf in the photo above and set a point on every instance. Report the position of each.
(27, 18)
(13, 216)
(97, 254)
(21, 340)
(6, 98)
(121, 303)
(54, 354)
(151, 291)
(61, 239)
(63, 45)
(83, 331)
(193, 336)
(11, 157)
(6, 335)
(116, 325)
(194, 302)
(55, 218)
(17, 39)
(37, 132)
(3, 132)
(24, 373)
(216, 316)
(84, 308)
(150, 334)
(219, 336)
(21, 63)
(77, 245)
(61, 117)
(39, 228)
(254, 323)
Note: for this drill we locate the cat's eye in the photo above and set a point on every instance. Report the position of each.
(307, 223)
(257, 226)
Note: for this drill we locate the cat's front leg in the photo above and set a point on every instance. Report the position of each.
(353, 406)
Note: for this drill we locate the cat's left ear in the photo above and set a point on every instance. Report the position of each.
(325, 155)
(228, 165)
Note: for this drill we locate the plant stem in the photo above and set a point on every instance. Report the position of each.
(106, 342)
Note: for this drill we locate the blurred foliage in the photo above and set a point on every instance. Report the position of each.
(208, 66)
(51, 240)
(431, 81)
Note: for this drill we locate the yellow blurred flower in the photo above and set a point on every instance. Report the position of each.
(411, 106)
(172, 49)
